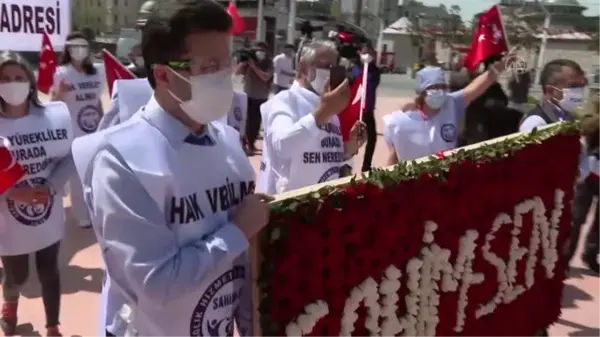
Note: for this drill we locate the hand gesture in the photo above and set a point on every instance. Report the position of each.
(29, 195)
(334, 101)
(253, 214)
(499, 66)
(62, 88)
(357, 138)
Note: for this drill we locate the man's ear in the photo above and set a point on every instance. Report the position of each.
(159, 72)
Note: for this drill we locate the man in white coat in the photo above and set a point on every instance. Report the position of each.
(175, 241)
(303, 142)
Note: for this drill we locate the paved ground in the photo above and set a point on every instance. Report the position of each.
(82, 269)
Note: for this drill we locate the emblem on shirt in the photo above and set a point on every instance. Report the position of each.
(237, 113)
(330, 173)
(31, 214)
(88, 118)
(214, 313)
(448, 132)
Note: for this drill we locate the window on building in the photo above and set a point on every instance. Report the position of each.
(116, 19)
(116, 2)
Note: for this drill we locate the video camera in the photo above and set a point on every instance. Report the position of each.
(348, 43)
(245, 55)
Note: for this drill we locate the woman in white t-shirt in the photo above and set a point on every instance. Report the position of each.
(31, 212)
(431, 124)
(79, 84)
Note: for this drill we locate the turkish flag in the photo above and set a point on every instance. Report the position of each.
(238, 26)
(47, 66)
(10, 169)
(115, 70)
(489, 38)
(351, 114)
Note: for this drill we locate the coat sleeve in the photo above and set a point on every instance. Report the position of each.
(137, 244)
(286, 133)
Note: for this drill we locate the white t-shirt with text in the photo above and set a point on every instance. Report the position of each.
(84, 98)
(39, 142)
(298, 152)
(413, 136)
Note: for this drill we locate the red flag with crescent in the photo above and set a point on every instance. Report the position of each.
(47, 65)
(115, 70)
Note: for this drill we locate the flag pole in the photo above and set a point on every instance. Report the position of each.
(291, 28)
(260, 16)
(503, 27)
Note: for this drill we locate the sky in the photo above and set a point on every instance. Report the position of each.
(471, 7)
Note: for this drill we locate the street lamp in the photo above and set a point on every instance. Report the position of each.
(547, 19)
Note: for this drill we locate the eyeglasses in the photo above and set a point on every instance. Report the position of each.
(199, 67)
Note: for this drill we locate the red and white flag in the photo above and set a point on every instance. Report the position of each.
(352, 113)
(47, 66)
(10, 169)
(238, 26)
(115, 70)
(489, 38)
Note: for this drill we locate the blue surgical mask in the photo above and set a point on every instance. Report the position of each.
(435, 98)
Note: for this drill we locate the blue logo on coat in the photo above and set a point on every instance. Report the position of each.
(448, 132)
(31, 214)
(237, 113)
(215, 312)
(329, 173)
(88, 118)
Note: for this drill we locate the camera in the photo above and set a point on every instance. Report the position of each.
(245, 55)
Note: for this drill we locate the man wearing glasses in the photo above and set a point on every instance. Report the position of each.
(171, 191)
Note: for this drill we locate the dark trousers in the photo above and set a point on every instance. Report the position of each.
(16, 272)
(253, 120)
(584, 195)
(369, 119)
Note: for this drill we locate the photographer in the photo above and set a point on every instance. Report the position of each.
(258, 75)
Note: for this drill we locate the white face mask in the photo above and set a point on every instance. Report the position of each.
(212, 96)
(79, 53)
(435, 98)
(319, 83)
(14, 93)
(261, 55)
(572, 99)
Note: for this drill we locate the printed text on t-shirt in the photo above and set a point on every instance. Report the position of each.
(29, 150)
(187, 209)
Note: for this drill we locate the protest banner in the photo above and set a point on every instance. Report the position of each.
(22, 23)
(467, 242)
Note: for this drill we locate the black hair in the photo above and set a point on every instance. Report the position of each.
(289, 46)
(163, 36)
(65, 58)
(10, 58)
(260, 44)
(552, 71)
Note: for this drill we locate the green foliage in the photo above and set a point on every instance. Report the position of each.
(437, 167)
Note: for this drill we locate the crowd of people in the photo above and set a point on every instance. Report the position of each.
(163, 175)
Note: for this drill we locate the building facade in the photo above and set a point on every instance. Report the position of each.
(105, 16)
